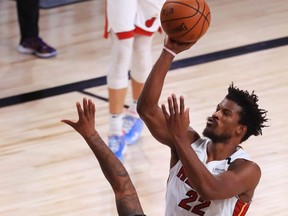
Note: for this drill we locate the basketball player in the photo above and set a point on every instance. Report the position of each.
(131, 25)
(127, 201)
(210, 175)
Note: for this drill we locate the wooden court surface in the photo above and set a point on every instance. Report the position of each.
(48, 170)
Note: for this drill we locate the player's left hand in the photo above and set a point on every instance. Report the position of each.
(177, 120)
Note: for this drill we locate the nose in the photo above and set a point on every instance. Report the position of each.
(217, 114)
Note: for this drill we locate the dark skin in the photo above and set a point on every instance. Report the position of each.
(127, 200)
(171, 127)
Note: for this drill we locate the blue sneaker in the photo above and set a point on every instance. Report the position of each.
(132, 127)
(117, 145)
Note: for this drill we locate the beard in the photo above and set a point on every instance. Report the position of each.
(216, 138)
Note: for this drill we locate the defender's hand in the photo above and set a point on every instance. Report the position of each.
(85, 125)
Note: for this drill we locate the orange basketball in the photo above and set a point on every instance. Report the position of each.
(185, 20)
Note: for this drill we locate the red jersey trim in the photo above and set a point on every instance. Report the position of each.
(240, 208)
(142, 32)
(129, 34)
(106, 22)
(125, 35)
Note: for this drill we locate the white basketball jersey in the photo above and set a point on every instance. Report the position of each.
(183, 200)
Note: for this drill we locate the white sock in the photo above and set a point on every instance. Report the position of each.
(115, 124)
(133, 108)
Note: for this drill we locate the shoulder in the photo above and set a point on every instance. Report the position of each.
(241, 161)
(240, 164)
(246, 169)
(248, 175)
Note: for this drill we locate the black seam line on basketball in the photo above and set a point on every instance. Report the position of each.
(192, 27)
(172, 20)
(202, 22)
(185, 5)
(98, 97)
(197, 10)
(95, 82)
(205, 19)
(205, 16)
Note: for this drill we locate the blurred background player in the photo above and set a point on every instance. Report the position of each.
(30, 42)
(131, 25)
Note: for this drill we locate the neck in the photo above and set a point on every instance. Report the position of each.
(220, 151)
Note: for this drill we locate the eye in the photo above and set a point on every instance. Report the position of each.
(227, 112)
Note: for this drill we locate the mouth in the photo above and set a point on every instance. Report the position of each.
(211, 121)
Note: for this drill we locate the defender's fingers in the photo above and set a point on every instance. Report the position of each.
(68, 122)
(79, 109)
(89, 106)
(175, 103)
(85, 105)
(187, 113)
(182, 105)
(93, 109)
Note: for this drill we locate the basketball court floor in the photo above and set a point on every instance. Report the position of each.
(48, 170)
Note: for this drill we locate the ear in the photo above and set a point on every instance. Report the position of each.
(241, 130)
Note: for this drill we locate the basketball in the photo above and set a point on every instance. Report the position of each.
(185, 20)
